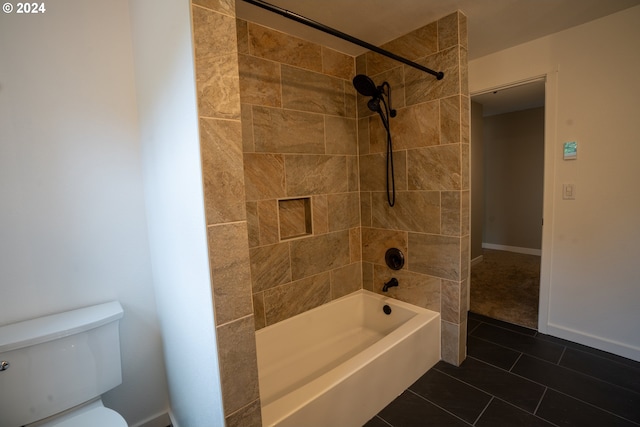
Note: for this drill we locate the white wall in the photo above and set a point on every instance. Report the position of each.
(167, 106)
(513, 177)
(591, 245)
(72, 220)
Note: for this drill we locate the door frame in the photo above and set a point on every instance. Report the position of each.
(550, 125)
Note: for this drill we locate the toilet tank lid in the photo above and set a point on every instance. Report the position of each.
(48, 328)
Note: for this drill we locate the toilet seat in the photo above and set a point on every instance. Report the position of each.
(93, 414)
(98, 417)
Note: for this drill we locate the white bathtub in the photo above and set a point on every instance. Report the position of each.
(341, 363)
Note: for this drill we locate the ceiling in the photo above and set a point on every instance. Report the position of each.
(515, 98)
(493, 25)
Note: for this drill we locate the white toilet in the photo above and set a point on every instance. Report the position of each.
(54, 369)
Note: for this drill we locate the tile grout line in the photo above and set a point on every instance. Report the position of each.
(507, 328)
(484, 410)
(437, 406)
(600, 360)
(383, 420)
(498, 344)
(564, 346)
(575, 371)
(509, 373)
(506, 348)
(568, 395)
(605, 358)
(533, 414)
(544, 393)
(594, 406)
(515, 362)
(546, 388)
(561, 356)
(468, 384)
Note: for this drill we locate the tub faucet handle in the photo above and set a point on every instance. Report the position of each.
(390, 284)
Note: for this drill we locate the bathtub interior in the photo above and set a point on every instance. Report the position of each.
(296, 351)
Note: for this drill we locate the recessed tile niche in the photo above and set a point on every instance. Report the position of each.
(294, 218)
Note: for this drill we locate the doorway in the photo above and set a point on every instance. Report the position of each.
(507, 181)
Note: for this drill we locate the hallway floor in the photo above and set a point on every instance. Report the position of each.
(515, 376)
(506, 286)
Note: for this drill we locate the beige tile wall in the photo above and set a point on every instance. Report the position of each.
(300, 141)
(218, 86)
(430, 220)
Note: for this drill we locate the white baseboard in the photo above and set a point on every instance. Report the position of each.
(527, 251)
(161, 420)
(604, 344)
(477, 260)
(173, 421)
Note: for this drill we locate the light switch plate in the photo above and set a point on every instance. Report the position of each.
(568, 191)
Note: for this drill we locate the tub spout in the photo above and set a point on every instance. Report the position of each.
(390, 284)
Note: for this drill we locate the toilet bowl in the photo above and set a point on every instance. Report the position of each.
(54, 369)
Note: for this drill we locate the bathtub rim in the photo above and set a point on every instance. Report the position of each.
(384, 298)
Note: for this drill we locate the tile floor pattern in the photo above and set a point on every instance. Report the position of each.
(514, 376)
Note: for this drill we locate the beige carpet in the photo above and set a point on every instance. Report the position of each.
(506, 286)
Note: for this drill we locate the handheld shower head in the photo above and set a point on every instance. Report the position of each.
(374, 104)
(366, 87)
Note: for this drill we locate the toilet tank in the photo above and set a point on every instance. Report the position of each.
(57, 362)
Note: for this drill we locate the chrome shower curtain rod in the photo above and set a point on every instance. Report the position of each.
(318, 26)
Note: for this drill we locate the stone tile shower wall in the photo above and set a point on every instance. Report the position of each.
(217, 83)
(300, 172)
(430, 220)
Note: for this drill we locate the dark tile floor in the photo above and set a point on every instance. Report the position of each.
(514, 376)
